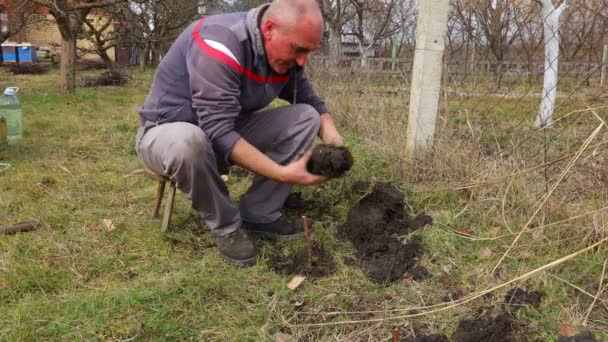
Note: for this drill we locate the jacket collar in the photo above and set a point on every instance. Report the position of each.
(254, 17)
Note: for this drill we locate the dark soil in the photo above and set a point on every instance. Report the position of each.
(91, 64)
(520, 297)
(330, 161)
(497, 329)
(295, 201)
(108, 78)
(34, 68)
(372, 226)
(323, 263)
(426, 338)
(586, 336)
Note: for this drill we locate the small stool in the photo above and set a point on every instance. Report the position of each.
(160, 191)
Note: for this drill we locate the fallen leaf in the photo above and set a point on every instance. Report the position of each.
(141, 213)
(538, 234)
(407, 280)
(225, 178)
(93, 228)
(485, 252)
(281, 337)
(295, 282)
(466, 231)
(108, 224)
(494, 231)
(525, 256)
(300, 302)
(447, 268)
(566, 330)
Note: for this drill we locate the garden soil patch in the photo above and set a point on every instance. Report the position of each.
(495, 329)
(518, 297)
(373, 227)
(426, 338)
(323, 263)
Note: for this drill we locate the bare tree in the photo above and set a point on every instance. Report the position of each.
(336, 14)
(70, 16)
(371, 22)
(151, 25)
(14, 16)
(493, 26)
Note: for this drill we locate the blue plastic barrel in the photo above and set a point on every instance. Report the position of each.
(26, 53)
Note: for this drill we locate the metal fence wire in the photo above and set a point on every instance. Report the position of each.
(488, 139)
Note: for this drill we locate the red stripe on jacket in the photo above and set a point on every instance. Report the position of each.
(227, 60)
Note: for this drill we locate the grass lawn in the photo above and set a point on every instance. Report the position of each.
(77, 278)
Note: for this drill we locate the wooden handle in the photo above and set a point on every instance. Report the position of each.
(21, 227)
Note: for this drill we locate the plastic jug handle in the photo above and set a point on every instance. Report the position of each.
(11, 91)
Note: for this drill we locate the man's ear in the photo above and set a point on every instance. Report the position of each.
(267, 27)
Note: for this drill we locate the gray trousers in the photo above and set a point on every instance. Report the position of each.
(182, 152)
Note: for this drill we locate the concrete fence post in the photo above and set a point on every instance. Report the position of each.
(426, 78)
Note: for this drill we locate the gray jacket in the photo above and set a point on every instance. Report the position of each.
(215, 72)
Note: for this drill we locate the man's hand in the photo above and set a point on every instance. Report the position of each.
(328, 132)
(255, 161)
(296, 172)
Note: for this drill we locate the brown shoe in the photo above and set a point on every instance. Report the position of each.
(281, 229)
(237, 248)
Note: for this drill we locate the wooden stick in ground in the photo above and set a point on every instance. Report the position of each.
(396, 337)
(21, 227)
(308, 243)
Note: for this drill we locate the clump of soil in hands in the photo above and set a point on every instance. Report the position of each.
(330, 161)
(372, 226)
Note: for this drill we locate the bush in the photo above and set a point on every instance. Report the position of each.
(108, 78)
(34, 68)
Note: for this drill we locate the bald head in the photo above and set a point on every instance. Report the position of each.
(291, 29)
(291, 13)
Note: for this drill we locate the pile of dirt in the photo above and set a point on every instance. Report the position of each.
(586, 336)
(494, 329)
(329, 161)
(373, 226)
(35, 68)
(518, 297)
(91, 64)
(323, 263)
(108, 78)
(426, 338)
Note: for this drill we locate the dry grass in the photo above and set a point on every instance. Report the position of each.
(70, 279)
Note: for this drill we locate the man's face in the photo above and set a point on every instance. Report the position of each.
(288, 47)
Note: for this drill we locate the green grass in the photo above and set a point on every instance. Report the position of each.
(75, 280)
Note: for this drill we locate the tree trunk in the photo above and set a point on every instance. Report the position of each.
(551, 38)
(335, 46)
(67, 65)
(143, 58)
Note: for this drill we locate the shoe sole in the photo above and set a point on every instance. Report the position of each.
(240, 263)
(275, 236)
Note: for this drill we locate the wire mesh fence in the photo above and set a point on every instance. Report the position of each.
(489, 144)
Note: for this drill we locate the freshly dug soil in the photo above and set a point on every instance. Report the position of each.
(520, 297)
(586, 336)
(108, 78)
(497, 329)
(323, 263)
(330, 161)
(426, 338)
(371, 226)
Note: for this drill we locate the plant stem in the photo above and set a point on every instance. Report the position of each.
(308, 243)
